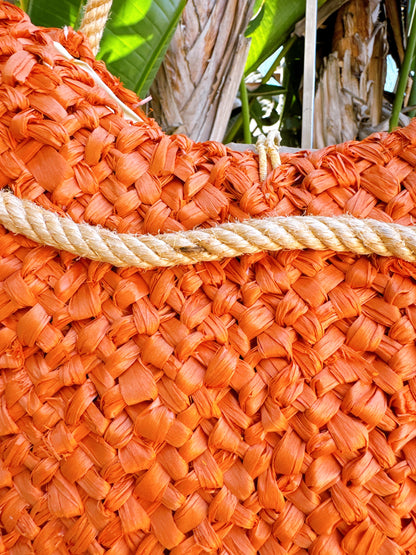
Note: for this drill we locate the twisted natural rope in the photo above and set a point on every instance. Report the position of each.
(268, 147)
(341, 234)
(94, 20)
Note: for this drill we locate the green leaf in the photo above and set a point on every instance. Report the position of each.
(257, 5)
(267, 90)
(136, 38)
(279, 19)
(255, 20)
(47, 13)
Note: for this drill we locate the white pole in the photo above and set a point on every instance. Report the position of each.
(309, 70)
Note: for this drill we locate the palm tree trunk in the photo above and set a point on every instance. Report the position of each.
(349, 98)
(198, 81)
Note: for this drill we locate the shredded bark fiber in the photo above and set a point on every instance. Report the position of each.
(265, 404)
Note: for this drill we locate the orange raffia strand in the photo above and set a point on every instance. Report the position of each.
(261, 404)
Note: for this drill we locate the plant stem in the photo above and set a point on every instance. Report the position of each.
(238, 122)
(412, 97)
(404, 71)
(246, 111)
(279, 57)
(234, 129)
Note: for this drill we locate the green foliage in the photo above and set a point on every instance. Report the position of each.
(404, 70)
(267, 90)
(258, 14)
(272, 104)
(290, 114)
(47, 13)
(136, 37)
(275, 20)
(267, 99)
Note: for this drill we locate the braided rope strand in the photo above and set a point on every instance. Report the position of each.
(268, 147)
(340, 234)
(93, 22)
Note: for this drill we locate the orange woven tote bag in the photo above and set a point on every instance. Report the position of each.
(264, 403)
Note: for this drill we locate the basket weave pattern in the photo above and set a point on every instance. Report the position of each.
(265, 404)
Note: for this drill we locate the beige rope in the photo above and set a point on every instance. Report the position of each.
(94, 20)
(341, 234)
(268, 147)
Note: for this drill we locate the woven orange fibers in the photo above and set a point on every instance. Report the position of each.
(265, 404)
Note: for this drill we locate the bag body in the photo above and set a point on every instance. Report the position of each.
(260, 404)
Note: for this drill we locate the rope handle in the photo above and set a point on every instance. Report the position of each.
(93, 22)
(340, 234)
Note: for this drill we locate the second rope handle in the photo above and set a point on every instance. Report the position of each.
(93, 22)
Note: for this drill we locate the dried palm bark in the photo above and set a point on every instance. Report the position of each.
(202, 69)
(350, 91)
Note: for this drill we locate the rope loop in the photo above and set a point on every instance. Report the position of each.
(268, 147)
(93, 22)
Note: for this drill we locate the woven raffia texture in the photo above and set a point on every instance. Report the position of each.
(265, 404)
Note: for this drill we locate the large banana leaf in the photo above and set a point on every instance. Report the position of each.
(136, 37)
(50, 13)
(278, 19)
